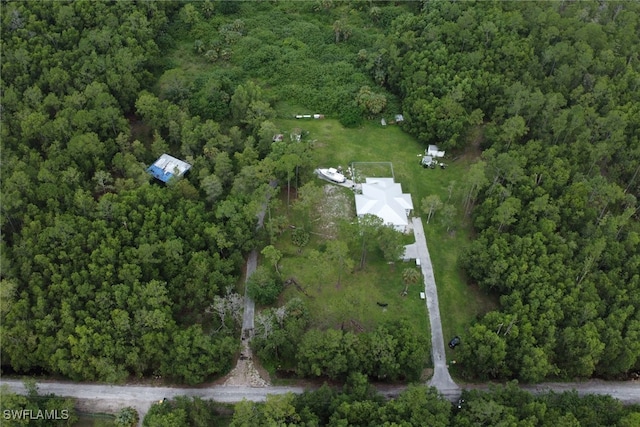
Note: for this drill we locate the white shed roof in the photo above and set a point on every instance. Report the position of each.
(434, 151)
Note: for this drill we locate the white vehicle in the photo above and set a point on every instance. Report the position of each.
(428, 162)
(332, 174)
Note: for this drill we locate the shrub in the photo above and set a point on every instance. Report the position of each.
(300, 237)
(263, 286)
(350, 116)
(127, 417)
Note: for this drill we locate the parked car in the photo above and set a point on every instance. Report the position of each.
(427, 162)
(454, 342)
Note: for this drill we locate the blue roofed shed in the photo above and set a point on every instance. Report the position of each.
(167, 167)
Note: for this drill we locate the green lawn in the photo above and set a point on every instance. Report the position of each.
(460, 303)
(352, 304)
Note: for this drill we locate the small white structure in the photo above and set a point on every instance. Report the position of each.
(434, 151)
(422, 295)
(383, 198)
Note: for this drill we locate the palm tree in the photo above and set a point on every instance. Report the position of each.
(337, 29)
(341, 30)
(409, 276)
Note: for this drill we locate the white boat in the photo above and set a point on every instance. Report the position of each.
(332, 174)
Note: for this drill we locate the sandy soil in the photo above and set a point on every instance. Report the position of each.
(335, 206)
(245, 373)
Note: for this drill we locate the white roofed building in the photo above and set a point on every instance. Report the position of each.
(383, 198)
(434, 151)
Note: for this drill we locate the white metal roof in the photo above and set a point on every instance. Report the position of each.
(434, 151)
(383, 198)
(167, 166)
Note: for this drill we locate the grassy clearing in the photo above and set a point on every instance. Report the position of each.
(460, 303)
(334, 145)
(364, 170)
(353, 304)
(187, 61)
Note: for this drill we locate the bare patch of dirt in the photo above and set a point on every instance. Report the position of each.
(246, 373)
(336, 205)
(293, 193)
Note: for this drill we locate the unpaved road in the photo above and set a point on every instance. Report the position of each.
(627, 392)
(111, 398)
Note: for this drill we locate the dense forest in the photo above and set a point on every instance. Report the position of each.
(392, 351)
(106, 274)
(554, 199)
(358, 404)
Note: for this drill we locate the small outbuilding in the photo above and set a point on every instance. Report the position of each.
(434, 151)
(166, 167)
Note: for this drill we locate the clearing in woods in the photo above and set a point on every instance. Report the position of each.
(460, 303)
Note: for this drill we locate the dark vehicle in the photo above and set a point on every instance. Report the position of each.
(454, 342)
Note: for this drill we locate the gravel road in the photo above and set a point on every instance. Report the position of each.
(111, 398)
